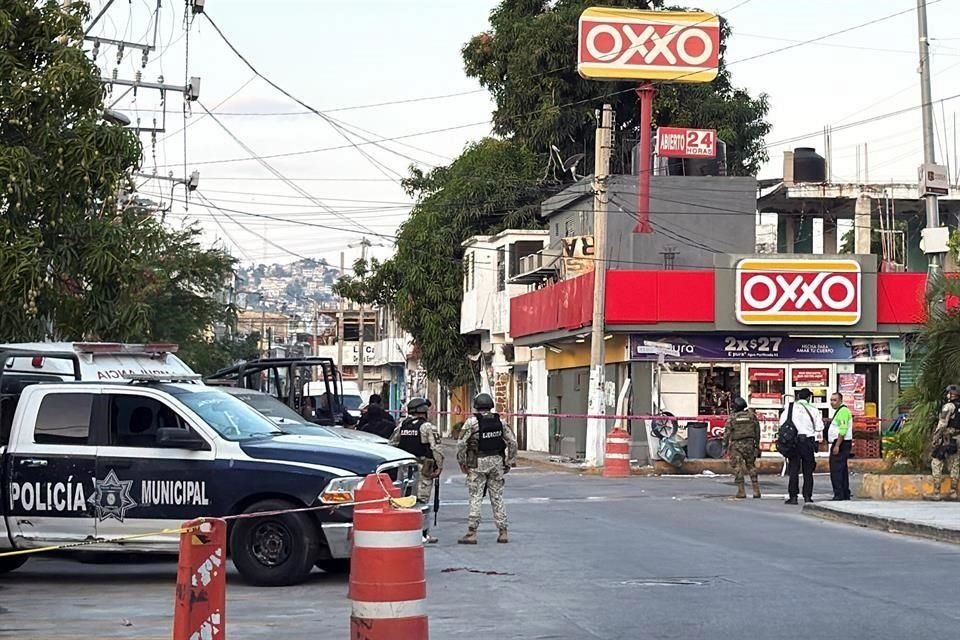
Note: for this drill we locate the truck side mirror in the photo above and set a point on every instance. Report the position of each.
(176, 438)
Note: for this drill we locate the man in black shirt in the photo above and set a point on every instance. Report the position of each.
(376, 420)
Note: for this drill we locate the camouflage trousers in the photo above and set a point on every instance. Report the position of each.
(425, 483)
(952, 464)
(488, 474)
(743, 458)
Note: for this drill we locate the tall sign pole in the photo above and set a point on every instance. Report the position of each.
(934, 258)
(626, 44)
(596, 425)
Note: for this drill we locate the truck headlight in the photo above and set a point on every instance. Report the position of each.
(340, 490)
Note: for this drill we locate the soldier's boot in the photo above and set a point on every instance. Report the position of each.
(741, 490)
(953, 490)
(937, 495)
(427, 538)
(502, 538)
(756, 486)
(470, 538)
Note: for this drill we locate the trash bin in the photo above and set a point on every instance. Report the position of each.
(715, 448)
(696, 440)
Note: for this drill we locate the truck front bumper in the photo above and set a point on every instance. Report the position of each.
(339, 535)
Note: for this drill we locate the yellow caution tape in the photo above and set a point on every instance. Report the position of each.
(403, 503)
(90, 543)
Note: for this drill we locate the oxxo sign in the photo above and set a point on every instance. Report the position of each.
(798, 292)
(622, 44)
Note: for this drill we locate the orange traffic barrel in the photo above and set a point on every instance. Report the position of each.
(616, 457)
(388, 587)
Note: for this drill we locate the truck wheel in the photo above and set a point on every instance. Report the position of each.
(12, 563)
(274, 551)
(334, 565)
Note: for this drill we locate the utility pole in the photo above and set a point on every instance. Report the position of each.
(340, 323)
(364, 243)
(597, 426)
(934, 260)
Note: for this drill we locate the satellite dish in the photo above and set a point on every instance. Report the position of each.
(570, 164)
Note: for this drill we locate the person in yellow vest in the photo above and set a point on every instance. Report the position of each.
(840, 438)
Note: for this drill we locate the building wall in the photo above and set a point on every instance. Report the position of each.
(538, 401)
(697, 216)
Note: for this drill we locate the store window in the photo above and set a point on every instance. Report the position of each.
(767, 385)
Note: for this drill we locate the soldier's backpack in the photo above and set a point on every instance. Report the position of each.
(787, 436)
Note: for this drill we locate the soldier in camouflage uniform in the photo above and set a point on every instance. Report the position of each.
(741, 440)
(418, 437)
(486, 450)
(946, 442)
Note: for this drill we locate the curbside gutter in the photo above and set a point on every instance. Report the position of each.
(883, 523)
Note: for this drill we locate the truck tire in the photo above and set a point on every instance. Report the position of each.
(336, 566)
(274, 551)
(12, 563)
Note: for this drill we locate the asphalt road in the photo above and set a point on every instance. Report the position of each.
(589, 558)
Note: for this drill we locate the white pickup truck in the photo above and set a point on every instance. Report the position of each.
(136, 453)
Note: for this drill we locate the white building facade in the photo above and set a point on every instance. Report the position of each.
(516, 377)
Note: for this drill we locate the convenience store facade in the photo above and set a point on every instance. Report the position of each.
(758, 326)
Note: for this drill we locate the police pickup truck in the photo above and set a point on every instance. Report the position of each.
(118, 460)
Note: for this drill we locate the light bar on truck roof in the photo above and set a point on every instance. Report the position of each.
(164, 377)
(120, 348)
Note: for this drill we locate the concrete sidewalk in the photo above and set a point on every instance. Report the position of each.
(934, 520)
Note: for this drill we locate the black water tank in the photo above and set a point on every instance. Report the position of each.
(808, 165)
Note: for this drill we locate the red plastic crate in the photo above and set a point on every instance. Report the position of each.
(867, 449)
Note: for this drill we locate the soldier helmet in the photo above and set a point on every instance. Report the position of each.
(418, 405)
(483, 402)
(739, 404)
(952, 388)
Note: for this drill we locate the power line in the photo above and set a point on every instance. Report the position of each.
(274, 171)
(333, 123)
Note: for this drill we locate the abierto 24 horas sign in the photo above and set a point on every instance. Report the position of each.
(670, 46)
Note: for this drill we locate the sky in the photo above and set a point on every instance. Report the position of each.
(342, 57)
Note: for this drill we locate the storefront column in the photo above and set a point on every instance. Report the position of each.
(830, 245)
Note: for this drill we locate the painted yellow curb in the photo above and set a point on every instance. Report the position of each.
(899, 487)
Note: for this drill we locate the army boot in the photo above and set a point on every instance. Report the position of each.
(470, 538)
(502, 538)
(953, 490)
(741, 490)
(756, 486)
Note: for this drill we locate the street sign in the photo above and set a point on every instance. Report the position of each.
(676, 142)
(624, 44)
(934, 180)
(798, 292)
(662, 346)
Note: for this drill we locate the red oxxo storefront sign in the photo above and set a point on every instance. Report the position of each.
(798, 292)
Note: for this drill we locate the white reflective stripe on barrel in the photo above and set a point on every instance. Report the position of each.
(387, 539)
(386, 610)
(618, 456)
(618, 440)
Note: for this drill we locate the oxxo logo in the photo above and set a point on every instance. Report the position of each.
(625, 44)
(798, 292)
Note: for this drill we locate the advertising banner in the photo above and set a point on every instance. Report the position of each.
(853, 386)
(718, 347)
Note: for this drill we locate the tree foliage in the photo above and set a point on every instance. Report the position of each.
(937, 354)
(493, 185)
(527, 61)
(77, 262)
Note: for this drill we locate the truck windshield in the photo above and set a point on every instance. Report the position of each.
(232, 418)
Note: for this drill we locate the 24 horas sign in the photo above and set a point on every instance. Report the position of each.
(798, 292)
(672, 46)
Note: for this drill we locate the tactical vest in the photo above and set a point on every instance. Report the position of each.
(742, 426)
(954, 424)
(410, 438)
(490, 435)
